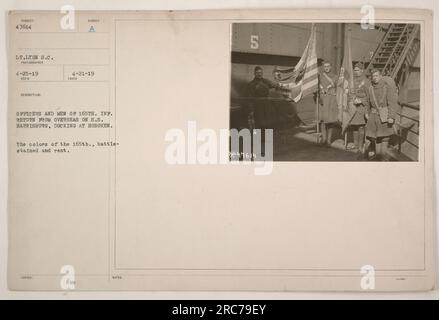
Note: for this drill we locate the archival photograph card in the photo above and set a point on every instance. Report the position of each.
(264, 150)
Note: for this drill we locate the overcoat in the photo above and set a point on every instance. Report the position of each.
(382, 105)
(328, 109)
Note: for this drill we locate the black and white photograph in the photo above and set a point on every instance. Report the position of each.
(328, 91)
(243, 153)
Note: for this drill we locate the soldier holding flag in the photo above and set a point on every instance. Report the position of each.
(328, 110)
(348, 96)
(361, 85)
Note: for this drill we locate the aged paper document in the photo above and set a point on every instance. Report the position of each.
(270, 150)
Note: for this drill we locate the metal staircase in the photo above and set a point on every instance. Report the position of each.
(395, 57)
(397, 51)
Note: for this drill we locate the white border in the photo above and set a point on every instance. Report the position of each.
(179, 5)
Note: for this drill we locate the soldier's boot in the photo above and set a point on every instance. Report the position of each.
(372, 150)
(377, 155)
(361, 136)
(356, 135)
(363, 153)
(384, 148)
(330, 132)
(324, 134)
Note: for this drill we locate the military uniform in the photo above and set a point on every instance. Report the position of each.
(263, 112)
(328, 111)
(361, 85)
(260, 88)
(382, 105)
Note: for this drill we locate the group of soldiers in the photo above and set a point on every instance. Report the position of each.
(376, 107)
(375, 100)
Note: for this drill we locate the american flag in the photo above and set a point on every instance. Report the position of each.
(304, 78)
(345, 103)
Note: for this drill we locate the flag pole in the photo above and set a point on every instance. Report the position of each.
(317, 118)
(313, 26)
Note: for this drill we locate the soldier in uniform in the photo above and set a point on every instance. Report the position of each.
(260, 87)
(381, 113)
(279, 90)
(358, 122)
(285, 107)
(328, 110)
(276, 74)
